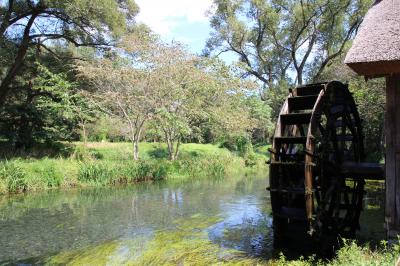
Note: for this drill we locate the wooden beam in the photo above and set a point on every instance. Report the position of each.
(392, 128)
(375, 69)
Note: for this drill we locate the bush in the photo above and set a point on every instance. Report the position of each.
(243, 146)
(160, 169)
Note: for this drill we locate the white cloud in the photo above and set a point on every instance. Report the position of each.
(164, 15)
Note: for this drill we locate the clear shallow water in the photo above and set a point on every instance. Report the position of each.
(233, 213)
(99, 226)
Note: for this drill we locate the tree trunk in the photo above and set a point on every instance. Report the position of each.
(300, 76)
(136, 149)
(171, 154)
(12, 72)
(7, 16)
(84, 136)
(177, 149)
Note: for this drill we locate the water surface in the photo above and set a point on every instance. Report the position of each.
(200, 220)
(233, 212)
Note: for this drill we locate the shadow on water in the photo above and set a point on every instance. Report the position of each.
(226, 219)
(298, 244)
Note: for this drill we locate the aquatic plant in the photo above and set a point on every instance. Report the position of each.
(186, 244)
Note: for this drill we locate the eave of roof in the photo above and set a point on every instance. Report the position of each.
(376, 48)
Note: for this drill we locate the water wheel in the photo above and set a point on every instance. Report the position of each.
(316, 170)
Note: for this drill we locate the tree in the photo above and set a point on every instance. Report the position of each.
(193, 92)
(31, 24)
(84, 111)
(41, 111)
(260, 113)
(123, 84)
(275, 38)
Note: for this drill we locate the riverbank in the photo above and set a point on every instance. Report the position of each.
(105, 163)
(182, 220)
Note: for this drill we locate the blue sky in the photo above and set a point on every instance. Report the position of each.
(185, 21)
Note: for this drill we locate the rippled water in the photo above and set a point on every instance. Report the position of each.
(116, 224)
(37, 226)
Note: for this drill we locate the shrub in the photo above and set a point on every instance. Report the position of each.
(160, 169)
(243, 146)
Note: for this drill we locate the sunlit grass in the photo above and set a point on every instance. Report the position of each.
(103, 163)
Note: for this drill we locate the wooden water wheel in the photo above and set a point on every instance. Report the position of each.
(316, 169)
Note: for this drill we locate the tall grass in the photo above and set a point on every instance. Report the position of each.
(103, 164)
(12, 178)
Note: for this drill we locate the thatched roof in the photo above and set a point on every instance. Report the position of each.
(376, 48)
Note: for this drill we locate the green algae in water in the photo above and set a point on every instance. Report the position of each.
(186, 244)
(98, 255)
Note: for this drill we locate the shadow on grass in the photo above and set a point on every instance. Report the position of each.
(162, 153)
(40, 150)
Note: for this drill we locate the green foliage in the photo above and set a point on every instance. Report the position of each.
(102, 164)
(50, 109)
(25, 31)
(370, 97)
(261, 114)
(272, 38)
(353, 254)
(275, 97)
(242, 146)
(95, 172)
(12, 178)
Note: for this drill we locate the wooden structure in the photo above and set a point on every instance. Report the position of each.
(376, 53)
(316, 170)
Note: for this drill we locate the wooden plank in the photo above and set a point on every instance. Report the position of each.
(290, 140)
(293, 213)
(302, 102)
(312, 89)
(377, 69)
(396, 85)
(392, 133)
(373, 171)
(345, 138)
(296, 118)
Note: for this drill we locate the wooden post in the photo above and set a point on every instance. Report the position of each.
(392, 128)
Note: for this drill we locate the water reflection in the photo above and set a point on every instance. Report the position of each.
(38, 225)
(119, 224)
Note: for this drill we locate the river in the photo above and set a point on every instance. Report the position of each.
(134, 224)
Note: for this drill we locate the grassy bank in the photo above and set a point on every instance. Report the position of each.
(112, 163)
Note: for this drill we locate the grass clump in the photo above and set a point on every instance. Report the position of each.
(96, 173)
(12, 178)
(352, 254)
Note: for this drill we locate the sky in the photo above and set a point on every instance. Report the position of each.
(185, 21)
